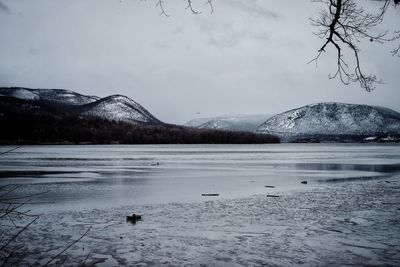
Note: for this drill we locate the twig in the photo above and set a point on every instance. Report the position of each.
(9, 191)
(8, 151)
(160, 5)
(15, 236)
(70, 245)
(8, 257)
(87, 256)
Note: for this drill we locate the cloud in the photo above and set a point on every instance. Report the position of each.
(231, 34)
(236, 23)
(248, 56)
(254, 9)
(4, 8)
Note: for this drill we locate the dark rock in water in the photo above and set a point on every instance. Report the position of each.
(270, 186)
(304, 182)
(209, 195)
(133, 218)
(272, 196)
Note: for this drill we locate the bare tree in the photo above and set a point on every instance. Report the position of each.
(344, 24)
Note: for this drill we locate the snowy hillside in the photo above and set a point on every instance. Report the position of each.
(333, 119)
(119, 108)
(197, 122)
(111, 108)
(54, 96)
(248, 123)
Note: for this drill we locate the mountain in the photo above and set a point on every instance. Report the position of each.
(119, 108)
(54, 116)
(248, 123)
(111, 108)
(51, 96)
(333, 122)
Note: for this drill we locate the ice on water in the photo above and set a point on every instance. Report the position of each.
(347, 213)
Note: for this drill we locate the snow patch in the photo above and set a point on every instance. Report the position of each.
(24, 94)
(230, 122)
(120, 108)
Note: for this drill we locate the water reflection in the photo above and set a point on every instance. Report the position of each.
(381, 168)
(81, 177)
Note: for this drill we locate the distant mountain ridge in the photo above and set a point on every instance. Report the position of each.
(43, 108)
(55, 96)
(334, 120)
(238, 122)
(56, 116)
(111, 108)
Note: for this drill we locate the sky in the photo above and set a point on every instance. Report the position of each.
(247, 57)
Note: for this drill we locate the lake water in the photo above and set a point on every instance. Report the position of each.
(347, 213)
(106, 176)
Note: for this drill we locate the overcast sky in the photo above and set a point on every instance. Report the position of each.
(248, 57)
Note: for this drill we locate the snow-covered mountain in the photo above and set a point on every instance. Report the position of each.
(119, 108)
(248, 123)
(332, 119)
(57, 101)
(54, 96)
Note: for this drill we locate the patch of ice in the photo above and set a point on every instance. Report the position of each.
(342, 224)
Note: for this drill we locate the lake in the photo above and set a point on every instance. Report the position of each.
(346, 214)
(86, 177)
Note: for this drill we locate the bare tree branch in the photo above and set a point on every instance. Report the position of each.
(343, 24)
(12, 217)
(8, 151)
(66, 248)
(16, 235)
(209, 2)
(160, 5)
(189, 6)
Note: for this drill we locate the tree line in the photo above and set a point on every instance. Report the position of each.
(44, 129)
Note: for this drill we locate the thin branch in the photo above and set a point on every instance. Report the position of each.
(87, 256)
(8, 151)
(190, 7)
(70, 245)
(343, 24)
(209, 2)
(160, 5)
(8, 257)
(9, 191)
(16, 235)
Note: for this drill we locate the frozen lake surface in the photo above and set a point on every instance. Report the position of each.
(85, 177)
(349, 210)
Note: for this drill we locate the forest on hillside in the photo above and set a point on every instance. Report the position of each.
(49, 129)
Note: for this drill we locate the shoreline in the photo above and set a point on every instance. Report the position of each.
(333, 224)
